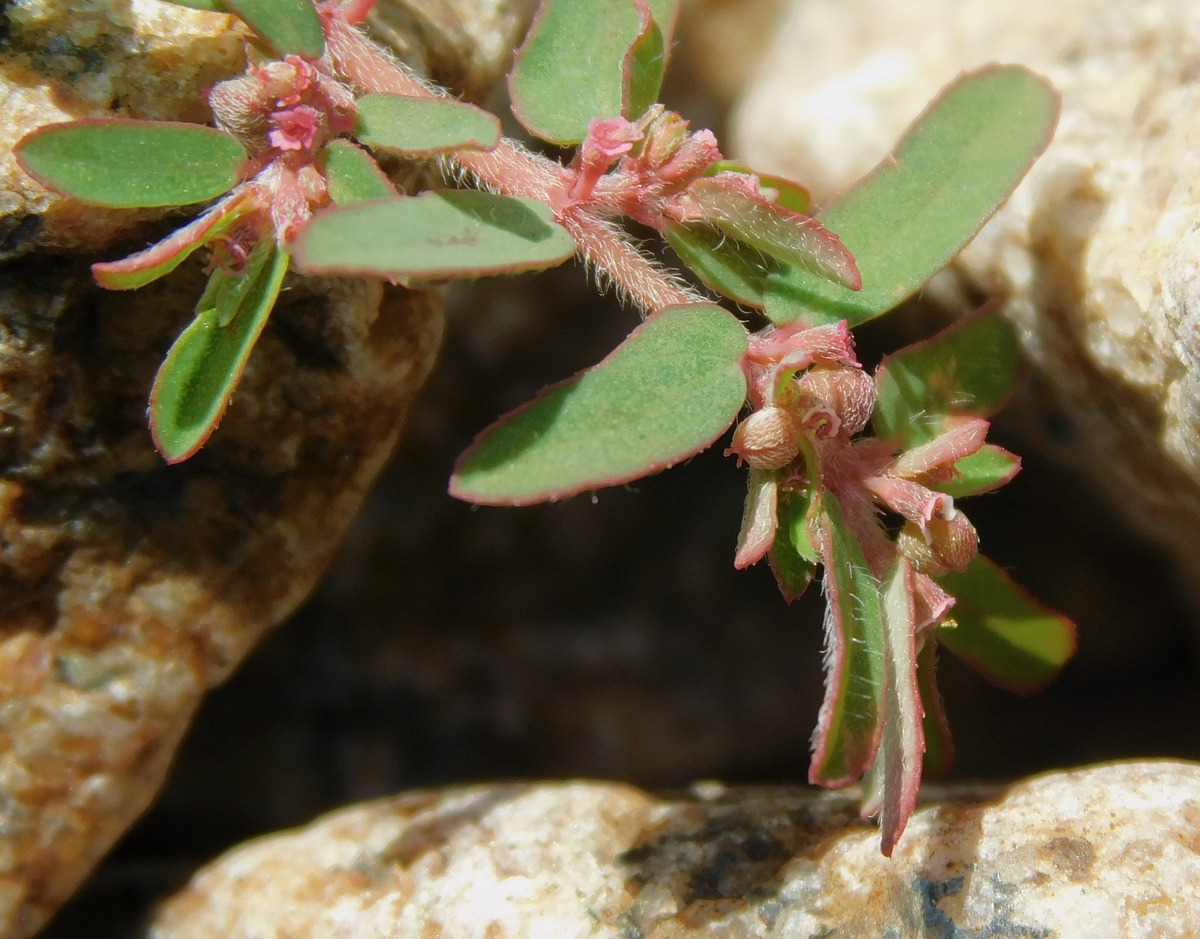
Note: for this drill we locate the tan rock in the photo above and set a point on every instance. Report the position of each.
(98, 58)
(1111, 851)
(129, 588)
(465, 44)
(1098, 248)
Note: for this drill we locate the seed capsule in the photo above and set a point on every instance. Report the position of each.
(945, 545)
(766, 439)
(847, 393)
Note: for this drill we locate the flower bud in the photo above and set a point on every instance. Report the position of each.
(946, 544)
(766, 439)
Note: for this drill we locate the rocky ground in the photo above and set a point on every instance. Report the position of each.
(611, 638)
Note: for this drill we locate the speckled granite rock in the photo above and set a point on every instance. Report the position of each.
(1099, 247)
(1112, 851)
(127, 588)
(96, 58)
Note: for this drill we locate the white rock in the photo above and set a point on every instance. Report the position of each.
(1110, 851)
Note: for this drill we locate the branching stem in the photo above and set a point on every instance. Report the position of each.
(515, 171)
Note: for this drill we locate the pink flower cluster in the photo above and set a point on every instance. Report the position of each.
(811, 400)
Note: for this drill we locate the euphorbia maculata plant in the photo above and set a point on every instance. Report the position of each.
(856, 474)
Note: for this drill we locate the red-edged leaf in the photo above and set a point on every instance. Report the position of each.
(646, 61)
(424, 126)
(585, 47)
(438, 234)
(195, 383)
(849, 725)
(970, 369)
(984, 471)
(668, 391)
(731, 205)
(905, 221)
(895, 778)
(353, 174)
(159, 259)
(758, 518)
(998, 629)
(779, 189)
(132, 164)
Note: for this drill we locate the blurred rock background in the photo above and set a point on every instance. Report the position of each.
(610, 637)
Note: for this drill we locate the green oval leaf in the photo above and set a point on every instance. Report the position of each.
(287, 26)
(644, 66)
(787, 193)
(849, 725)
(988, 469)
(450, 233)
(904, 222)
(997, 628)
(133, 164)
(424, 126)
(729, 267)
(574, 65)
(969, 368)
(794, 560)
(202, 369)
(667, 392)
(353, 175)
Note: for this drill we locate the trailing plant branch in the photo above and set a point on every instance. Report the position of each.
(855, 475)
(513, 170)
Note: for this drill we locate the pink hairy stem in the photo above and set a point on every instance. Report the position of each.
(512, 170)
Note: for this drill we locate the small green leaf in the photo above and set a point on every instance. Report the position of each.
(202, 369)
(996, 627)
(968, 369)
(132, 164)
(643, 68)
(424, 126)
(774, 230)
(789, 194)
(287, 26)
(729, 267)
(572, 67)
(353, 174)
(850, 721)
(667, 392)
(449, 233)
(956, 165)
(793, 557)
(990, 468)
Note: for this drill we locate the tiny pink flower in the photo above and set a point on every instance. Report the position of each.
(295, 128)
